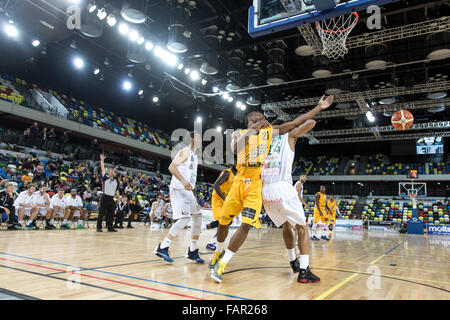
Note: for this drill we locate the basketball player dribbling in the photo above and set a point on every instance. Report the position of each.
(281, 199)
(222, 187)
(183, 201)
(252, 147)
(320, 215)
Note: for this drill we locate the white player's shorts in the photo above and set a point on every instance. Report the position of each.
(61, 212)
(76, 213)
(42, 211)
(27, 211)
(183, 203)
(282, 204)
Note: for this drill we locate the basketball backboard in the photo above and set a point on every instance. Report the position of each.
(270, 16)
(407, 188)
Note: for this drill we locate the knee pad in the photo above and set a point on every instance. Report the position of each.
(196, 224)
(178, 226)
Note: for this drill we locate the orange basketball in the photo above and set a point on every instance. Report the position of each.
(402, 120)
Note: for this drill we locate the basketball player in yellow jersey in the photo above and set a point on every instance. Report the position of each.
(332, 209)
(252, 147)
(221, 188)
(320, 214)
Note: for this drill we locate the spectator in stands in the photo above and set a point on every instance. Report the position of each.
(51, 139)
(25, 141)
(7, 198)
(43, 135)
(65, 147)
(94, 150)
(34, 134)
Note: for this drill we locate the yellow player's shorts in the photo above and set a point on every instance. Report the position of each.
(322, 219)
(217, 206)
(244, 197)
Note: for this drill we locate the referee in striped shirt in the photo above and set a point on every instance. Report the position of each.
(108, 206)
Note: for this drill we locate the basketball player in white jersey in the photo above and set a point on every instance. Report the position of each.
(25, 204)
(58, 205)
(280, 198)
(184, 204)
(299, 186)
(157, 211)
(43, 203)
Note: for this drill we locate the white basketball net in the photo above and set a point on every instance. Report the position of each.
(334, 33)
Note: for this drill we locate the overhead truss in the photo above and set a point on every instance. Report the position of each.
(369, 94)
(385, 137)
(366, 130)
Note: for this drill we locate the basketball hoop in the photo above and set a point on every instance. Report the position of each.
(334, 33)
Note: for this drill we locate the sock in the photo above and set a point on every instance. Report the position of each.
(193, 245)
(64, 221)
(304, 261)
(21, 222)
(291, 254)
(219, 247)
(76, 221)
(52, 221)
(227, 256)
(29, 222)
(166, 243)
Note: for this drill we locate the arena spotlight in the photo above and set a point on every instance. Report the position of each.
(155, 99)
(149, 46)
(195, 75)
(111, 20)
(199, 119)
(171, 59)
(219, 129)
(215, 89)
(239, 104)
(101, 14)
(140, 40)
(187, 71)
(204, 82)
(127, 85)
(141, 92)
(96, 71)
(133, 35)
(78, 63)
(180, 66)
(11, 31)
(36, 43)
(91, 7)
(230, 99)
(370, 116)
(124, 29)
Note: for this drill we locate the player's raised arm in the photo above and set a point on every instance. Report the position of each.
(181, 157)
(324, 103)
(221, 180)
(302, 129)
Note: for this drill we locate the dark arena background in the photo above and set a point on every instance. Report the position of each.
(85, 80)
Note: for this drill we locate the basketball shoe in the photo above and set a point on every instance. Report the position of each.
(163, 253)
(218, 271)
(295, 265)
(306, 276)
(217, 256)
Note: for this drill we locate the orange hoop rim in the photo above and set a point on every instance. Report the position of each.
(342, 30)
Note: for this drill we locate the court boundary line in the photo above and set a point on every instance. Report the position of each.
(109, 280)
(127, 276)
(81, 283)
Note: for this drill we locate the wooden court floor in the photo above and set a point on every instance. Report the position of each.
(354, 265)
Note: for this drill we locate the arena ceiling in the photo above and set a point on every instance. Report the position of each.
(218, 28)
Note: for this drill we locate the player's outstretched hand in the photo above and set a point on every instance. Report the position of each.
(102, 157)
(325, 102)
